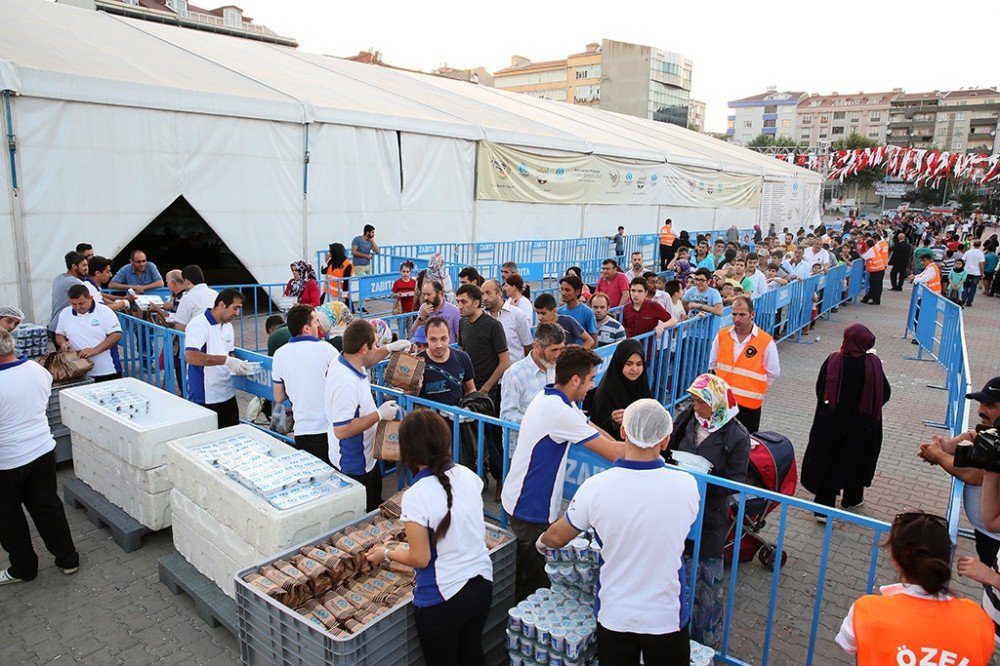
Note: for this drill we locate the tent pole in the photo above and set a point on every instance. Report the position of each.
(475, 189)
(17, 213)
(305, 193)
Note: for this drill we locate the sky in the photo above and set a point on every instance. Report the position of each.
(737, 49)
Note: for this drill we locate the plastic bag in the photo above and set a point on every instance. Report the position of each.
(66, 365)
(282, 420)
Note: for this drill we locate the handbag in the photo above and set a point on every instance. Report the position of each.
(405, 372)
(387, 441)
(66, 365)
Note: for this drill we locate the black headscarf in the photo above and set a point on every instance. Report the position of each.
(337, 256)
(616, 392)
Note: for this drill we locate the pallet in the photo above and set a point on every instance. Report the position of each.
(126, 531)
(211, 603)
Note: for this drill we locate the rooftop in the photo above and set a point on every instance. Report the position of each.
(770, 95)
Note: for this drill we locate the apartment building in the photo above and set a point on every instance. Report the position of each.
(823, 119)
(771, 113)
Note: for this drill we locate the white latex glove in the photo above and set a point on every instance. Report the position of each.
(388, 411)
(399, 346)
(541, 547)
(238, 366)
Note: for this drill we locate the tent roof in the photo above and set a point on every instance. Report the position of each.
(61, 52)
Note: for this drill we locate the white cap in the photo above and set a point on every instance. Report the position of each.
(11, 311)
(647, 423)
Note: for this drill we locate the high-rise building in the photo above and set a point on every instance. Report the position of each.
(771, 113)
(823, 119)
(696, 116)
(617, 76)
(962, 120)
(228, 19)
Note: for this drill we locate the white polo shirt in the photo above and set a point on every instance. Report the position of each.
(93, 289)
(24, 427)
(301, 366)
(460, 555)
(533, 488)
(348, 395)
(517, 329)
(89, 330)
(212, 384)
(641, 581)
(196, 300)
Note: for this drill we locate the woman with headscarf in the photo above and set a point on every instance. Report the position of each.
(624, 382)
(846, 434)
(338, 269)
(708, 427)
(437, 272)
(303, 285)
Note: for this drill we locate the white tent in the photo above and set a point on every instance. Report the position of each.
(282, 151)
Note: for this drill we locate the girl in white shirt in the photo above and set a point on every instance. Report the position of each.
(445, 535)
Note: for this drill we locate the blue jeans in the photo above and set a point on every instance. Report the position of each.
(969, 292)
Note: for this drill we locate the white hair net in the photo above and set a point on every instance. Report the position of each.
(647, 423)
(11, 311)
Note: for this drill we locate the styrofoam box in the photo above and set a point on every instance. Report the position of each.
(212, 548)
(149, 481)
(103, 473)
(141, 441)
(251, 517)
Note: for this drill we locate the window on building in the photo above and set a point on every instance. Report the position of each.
(771, 108)
(854, 116)
(875, 118)
(960, 116)
(822, 135)
(747, 123)
(873, 134)
(805, 134)
(839, 115)
(769, 123)
(731, 124)
(837, 130)
(824, 119)
(807, 120)
(786, 122)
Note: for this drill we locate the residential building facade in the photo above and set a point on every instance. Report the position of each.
(627, 78)
(771, 113)
(227, 20)
(696, 116)
(823, 119)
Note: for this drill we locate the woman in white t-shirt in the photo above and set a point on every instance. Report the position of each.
(445, 534)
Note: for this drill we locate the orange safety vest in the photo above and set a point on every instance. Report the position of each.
(877, 262)
(334, 285)
(903, 629)
(746, 375)
(884, 247)
(667, 235)
(934, 284)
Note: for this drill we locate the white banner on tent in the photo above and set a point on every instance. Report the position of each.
(511, 174)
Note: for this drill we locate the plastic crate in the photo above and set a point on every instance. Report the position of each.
(53, 412)
(272, 633)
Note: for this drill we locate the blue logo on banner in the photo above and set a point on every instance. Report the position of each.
(522, 169)
(653, 179)
(485, 247)
(427, 249)
(560, 172)
(628, 177)
(531, 272)
(539, 245)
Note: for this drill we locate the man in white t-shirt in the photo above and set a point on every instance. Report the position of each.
(198, 297)
(351, 411)
(299, 374)
(640, 599)
(532, 491)
(93, 330)
(975, 266)
(816, 254)
(208, 344)
(28, 469)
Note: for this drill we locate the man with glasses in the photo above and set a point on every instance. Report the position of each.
(701, 298)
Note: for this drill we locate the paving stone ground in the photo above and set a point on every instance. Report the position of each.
(115, 611)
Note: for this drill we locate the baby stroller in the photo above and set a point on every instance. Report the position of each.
(772, 467)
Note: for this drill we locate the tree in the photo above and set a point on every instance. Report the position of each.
(867, 176)
(769, 141)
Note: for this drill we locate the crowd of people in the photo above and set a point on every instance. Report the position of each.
(489, 346)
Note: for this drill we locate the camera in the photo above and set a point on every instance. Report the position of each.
(981, 453)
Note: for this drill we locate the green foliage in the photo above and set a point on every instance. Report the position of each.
(769, 141)
(868, 176)
(853, 141)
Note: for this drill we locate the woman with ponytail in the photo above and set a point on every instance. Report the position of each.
(917, 618)
(445, 534)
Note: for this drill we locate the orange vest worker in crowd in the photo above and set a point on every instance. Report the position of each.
(747, 358)
(916, 621)
(666, 243)
(876, 258)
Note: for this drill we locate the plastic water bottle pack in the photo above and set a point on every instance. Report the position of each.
(31, 340)
(123, 402)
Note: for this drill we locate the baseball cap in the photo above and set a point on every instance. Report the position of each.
(923, 252)
(419, 336)
(990, 393)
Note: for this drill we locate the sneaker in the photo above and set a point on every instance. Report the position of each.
(914, 342)
(820, 518)
(7, 579)
(254, 408)
(69, 571)
(847, 507)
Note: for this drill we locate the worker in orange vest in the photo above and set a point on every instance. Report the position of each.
(876, 259)
(666, 243)
(930, 277)
(747, 358)
(916, 621)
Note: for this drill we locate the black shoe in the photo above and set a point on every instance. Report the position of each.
(914, 342)
(859, 504)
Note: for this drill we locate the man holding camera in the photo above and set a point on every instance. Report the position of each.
(942, 452)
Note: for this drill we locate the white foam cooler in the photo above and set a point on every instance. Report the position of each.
(139, 441)
(264, 527)
(143, 494)
(212, 548)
